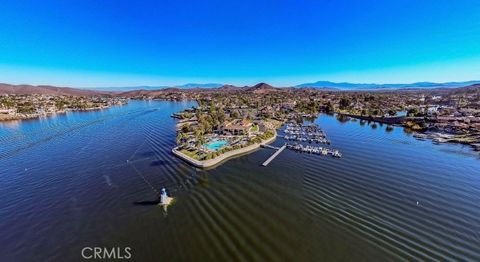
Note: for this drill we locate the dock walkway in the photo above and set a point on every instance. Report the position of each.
(274, 155)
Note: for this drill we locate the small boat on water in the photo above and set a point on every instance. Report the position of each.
(336, 153)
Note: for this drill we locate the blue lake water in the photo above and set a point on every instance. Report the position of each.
(90, 179)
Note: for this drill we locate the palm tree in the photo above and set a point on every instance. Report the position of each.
(180, 137)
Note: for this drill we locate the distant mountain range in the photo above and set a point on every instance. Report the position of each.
(318, 84)
(350, 86)
(194, 85)
(260, 88)
(49, 90)
(125, 88)
(132, 88)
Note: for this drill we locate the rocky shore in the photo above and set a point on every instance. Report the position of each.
(472, 140)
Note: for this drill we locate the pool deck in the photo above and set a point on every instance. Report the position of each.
(223, 157)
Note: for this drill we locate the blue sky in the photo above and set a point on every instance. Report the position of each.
(122, 43)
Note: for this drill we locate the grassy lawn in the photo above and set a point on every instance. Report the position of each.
(191, 153)
(254, 128)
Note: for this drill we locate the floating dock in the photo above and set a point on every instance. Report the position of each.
(274, 155)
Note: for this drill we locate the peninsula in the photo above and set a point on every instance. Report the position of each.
(19, 102)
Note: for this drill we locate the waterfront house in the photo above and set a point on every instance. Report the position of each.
(8, 111)
(237, 127)
(262, 127)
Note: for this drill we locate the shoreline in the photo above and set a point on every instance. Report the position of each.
(224, 157)
(393, 120)
(444, 138)
(50, 114)
(434, 137)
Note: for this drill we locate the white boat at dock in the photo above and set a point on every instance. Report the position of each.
(314, 150)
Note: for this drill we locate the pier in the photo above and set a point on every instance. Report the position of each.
(310, 133)
(274, 154)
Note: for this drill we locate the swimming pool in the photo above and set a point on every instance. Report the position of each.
(215, 145)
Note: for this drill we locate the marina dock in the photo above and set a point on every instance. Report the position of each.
(274, 155)
(310, 133)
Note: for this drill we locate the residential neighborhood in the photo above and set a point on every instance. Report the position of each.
(16, 107)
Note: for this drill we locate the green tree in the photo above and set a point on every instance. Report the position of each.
(344, 103)
(413, 112)
(180, 138)
(329, 107)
